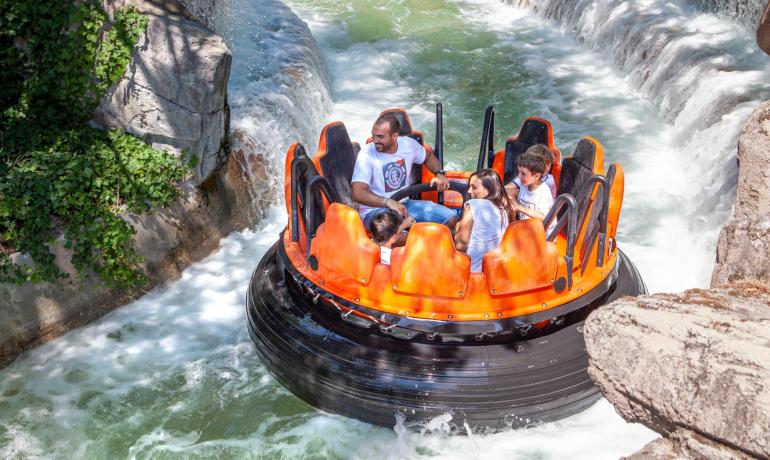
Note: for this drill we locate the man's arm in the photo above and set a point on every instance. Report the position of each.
(433, 165)
(362, 195)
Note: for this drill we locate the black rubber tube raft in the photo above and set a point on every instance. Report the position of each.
(360, 372)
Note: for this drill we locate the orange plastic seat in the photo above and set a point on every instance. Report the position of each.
(524, 261)
(429, 264)
(341, 245)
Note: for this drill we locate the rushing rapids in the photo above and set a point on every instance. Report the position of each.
(175, 374)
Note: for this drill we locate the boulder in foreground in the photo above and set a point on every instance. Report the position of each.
(694, 367)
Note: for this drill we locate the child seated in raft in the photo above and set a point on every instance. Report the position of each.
(534, 198)
(514, 186)
(485, 216)
(385, 228)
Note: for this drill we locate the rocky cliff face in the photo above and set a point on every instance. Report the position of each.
(743, 251)
(206, 11)
(169, 241)
(695, 367)
(174, 94)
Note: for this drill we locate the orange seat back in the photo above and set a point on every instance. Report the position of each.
(429, 264)
(341, 245)
(498, 163)
(616, 176)
(287, 177)
(524, 260)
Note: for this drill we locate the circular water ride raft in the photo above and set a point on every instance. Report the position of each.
(425, 336)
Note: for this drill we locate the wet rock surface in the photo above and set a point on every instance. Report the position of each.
(743, 250)
(694, 367)
(763, 30)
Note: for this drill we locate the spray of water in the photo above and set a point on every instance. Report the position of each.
(703, 75)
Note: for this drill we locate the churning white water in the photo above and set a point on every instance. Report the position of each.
(703, 75)
(175, 373)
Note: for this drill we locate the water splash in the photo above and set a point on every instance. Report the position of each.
(703, 74)
(278, 91)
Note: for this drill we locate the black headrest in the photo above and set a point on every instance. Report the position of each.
(585, 153)
(340, 160)
(611, 174)
(533, 132)
(513, 150)
(573, 176)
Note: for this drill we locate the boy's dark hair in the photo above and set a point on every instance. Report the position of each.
(544, 151)
(391, 120)
(532, 161)
(384, 225)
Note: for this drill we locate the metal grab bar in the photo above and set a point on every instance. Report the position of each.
(487, 148)
(440, 143)
(569, 201)
(585, 193)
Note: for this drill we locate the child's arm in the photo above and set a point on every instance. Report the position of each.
(463, 229)
(534, 213)
(513, 192)
(406, 224)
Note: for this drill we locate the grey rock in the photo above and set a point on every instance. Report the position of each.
(693, 366)
(743, 250)
(686, 445)
(174, 93)
(763, 30)
(659, 449)
(206, 11)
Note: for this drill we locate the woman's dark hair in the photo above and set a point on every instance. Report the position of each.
(490, 180)
(384, 225)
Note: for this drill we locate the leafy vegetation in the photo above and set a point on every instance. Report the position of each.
(61, 178)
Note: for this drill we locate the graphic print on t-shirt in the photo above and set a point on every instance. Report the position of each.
(525, 204)
(395, 175)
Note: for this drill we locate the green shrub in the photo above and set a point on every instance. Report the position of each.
(59, 176)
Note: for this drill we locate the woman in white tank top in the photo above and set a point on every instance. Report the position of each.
(485, 216)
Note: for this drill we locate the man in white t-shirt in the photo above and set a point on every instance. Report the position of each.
(383, 167)
(534, 199)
